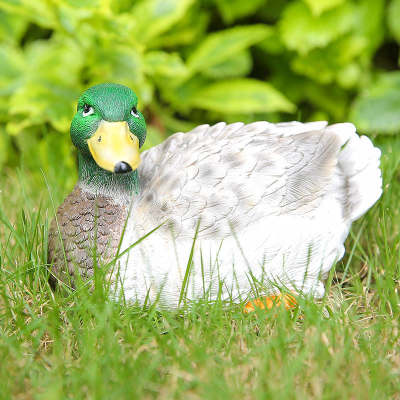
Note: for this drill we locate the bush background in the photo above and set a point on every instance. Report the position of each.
(194, 62)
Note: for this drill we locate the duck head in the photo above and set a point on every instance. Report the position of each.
(108, 129)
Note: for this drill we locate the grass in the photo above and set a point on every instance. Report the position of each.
(80, 345)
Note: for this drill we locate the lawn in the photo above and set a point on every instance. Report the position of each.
(80, 345)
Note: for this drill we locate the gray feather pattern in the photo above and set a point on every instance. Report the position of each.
(228, 171)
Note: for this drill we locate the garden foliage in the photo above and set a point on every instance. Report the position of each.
(192, 62)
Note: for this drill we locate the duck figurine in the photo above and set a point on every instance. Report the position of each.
(229, 211)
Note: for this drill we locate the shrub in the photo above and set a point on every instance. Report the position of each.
(192, 62)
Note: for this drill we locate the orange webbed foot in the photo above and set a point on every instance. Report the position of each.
(270, 302)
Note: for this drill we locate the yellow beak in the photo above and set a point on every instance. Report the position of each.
(114, 147)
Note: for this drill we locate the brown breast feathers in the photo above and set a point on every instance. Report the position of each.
(89, 226)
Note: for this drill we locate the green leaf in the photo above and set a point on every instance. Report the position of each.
(168, 65)
(85, 3)
(394, 18)
(11, 26)
(319, 6)
(238, 65)
(153, 138)
(179, 96)
(4, 147)
(55, 149)
(11, 68)
(377, 109)
(234, 9)
(41, 102)
(43, 13)
(48, 87)
(329, 98)
(186, 31)
(370, 23)
(154, 17)
(72, 13)
(328, 64)
(302, 31)
(241, 96)
(122, 64)
(58, 60)
(220, 46)
(272, 44)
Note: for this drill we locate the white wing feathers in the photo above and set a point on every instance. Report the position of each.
(358, 164)
(288, 191)
(234, 175)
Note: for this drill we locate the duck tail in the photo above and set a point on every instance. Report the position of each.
(358, 163)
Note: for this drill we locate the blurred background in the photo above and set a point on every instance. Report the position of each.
(193, 62)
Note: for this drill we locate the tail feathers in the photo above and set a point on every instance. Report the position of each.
(358, 163)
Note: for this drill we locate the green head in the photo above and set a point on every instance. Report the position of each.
(108, 131)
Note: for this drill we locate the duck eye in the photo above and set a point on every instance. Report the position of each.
(134, 112)
(87, 110)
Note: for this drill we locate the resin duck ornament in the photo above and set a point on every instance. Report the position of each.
(220, 210)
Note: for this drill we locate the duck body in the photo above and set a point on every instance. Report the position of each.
(232, 209)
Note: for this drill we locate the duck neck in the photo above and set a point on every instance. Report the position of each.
(100, 181)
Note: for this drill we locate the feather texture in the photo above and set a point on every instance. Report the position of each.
(272, 203)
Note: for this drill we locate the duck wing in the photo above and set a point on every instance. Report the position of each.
(231, 176)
